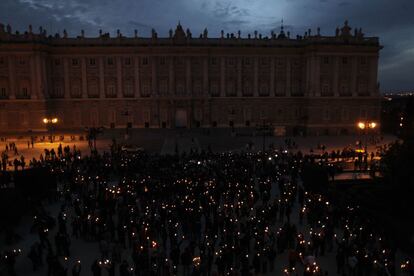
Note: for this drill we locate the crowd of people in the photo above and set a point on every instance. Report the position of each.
(200, 213)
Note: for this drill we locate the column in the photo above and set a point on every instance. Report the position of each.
(222, 77)
(317, 76)
(239, 78)
(33, 80)
(335, 78)
(101, 78)
(256, 77)
(308, 77)
(66, 77)
(119, 77)
(84, 81)
(171, 76)
(272, 77)
(311, 75)
(288, 77)
(137, 92)
(154, 76)
(39, 76)
(12, 83)
(45, 92)
(188, 76)
(205, 76)
(354, 76)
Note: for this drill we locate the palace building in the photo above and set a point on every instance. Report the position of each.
(310, 84)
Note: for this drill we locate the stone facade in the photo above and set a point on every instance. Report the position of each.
(313, 83)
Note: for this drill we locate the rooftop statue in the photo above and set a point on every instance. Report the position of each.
(346, 30)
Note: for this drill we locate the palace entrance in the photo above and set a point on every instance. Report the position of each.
(181, 118)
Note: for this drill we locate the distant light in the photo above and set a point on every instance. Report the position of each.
(361, 125)
(45, 120)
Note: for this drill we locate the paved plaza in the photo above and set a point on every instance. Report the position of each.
(169, 141)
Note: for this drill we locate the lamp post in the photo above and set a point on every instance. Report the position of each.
(365, 127)
(50, 123)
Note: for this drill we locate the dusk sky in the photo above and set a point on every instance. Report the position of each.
(391, 20)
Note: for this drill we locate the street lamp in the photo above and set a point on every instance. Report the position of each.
(47, 121)
(365, 127)
(50, 122)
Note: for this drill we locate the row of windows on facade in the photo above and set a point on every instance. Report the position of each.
(111, 91)
(22, 93)
(213, 61)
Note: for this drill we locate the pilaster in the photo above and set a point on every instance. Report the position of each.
(256, 77)
(66, 77)
(335, 77)
(188, 76)
(354, 76)
(12, 78)
(119, 89)
(239, 77)
(272, 77)
(84, 81)
(137, 91)
(205, 76)
(101, 78)
(222, 77)
(171, 76)
(154, 76)
(288, 77)
(33, 81)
